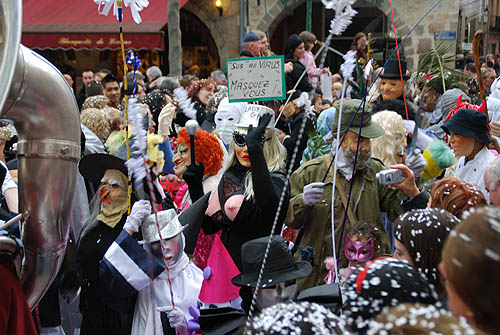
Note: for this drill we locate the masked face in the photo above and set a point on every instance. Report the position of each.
(461, 145)
(364, 155)
(242, 155)
(390, 89)
(359, 252)
(113, 187)
(181, 159)
(224, 124)
(282, 292)
(113, 194)
(430, 97)
(173, 250)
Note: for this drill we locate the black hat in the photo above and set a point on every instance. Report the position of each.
(328, 295)
(294, 93)
(93, 167)
(468, 122)
(221, 321)
(391, 70)
(280, 265)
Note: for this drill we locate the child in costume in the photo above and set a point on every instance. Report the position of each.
(129, 269)
(362, 244)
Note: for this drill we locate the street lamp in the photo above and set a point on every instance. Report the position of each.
(218, 4)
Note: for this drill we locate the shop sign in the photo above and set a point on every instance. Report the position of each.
(466, 46)
(91, 41)
(256, 79)
(445, 35)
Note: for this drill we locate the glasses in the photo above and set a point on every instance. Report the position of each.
(240, 139)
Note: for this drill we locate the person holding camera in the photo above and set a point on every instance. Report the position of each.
(368, 200)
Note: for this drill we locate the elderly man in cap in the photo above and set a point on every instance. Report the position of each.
(369, 198)
(252, 46)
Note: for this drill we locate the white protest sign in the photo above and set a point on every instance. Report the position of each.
(256, 78)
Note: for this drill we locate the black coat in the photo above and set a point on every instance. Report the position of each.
(294, 125)
(291, 78)
(98, 318)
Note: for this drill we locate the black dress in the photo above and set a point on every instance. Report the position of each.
(256, 216)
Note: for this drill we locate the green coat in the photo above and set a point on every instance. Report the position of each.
(368, 201)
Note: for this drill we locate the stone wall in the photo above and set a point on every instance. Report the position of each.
(225, 29)
(408, 12)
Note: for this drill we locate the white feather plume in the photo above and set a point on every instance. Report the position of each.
(136, 163)
(185, 103)
(368, 69)
(135, 7)
(337, 5)
(303, 100)
(349, 64)
(342, 20)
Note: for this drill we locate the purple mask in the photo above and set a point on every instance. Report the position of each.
(359, 252)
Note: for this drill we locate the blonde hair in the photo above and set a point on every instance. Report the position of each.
(114, 117)
(393, 141)
(5, 134)
(96, 120)
(274, 153)
(259, 33)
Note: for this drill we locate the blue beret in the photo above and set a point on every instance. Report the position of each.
(251, 37)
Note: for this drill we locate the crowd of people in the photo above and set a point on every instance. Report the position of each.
(275, 218)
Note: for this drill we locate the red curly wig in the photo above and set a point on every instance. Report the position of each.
(197, 85)
(206, 149)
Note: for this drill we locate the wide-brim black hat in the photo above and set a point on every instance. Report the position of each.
(468, 122)
(328, 295)
(221, 321)
(93, 167)
(391, 70)
(280, 265)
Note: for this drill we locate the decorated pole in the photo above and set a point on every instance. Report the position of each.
(478, 36)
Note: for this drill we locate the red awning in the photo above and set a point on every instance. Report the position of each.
(76, 24)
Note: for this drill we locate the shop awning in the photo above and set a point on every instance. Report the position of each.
(76, 24)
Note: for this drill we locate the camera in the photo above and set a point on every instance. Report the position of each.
(390, 177)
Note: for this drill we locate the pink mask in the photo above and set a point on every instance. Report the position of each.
(359, 252)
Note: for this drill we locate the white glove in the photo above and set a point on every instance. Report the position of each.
(140, 210)
(177, 320)
(416, 162)
(312, 193)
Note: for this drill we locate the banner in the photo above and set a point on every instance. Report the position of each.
(256, 79)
